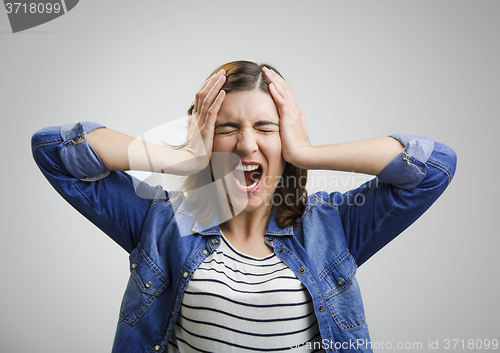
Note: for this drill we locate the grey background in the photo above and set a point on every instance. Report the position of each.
(359, 70)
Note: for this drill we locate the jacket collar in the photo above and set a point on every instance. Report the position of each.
(272, 228)
(185, 216)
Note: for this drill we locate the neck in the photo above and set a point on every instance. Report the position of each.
(246, 231)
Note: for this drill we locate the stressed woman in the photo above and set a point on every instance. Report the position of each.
(242, 259)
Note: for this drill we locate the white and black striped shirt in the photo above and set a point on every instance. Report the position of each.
(239, 303)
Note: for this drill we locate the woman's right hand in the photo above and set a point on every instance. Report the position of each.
(201, 123)
(121, 152)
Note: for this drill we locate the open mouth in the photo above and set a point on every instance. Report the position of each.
(247, 176)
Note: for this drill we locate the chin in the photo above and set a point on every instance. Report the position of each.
(243, 201)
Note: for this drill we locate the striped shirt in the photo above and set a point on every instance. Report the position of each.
(239, 303)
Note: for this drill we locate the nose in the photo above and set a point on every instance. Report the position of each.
(247, 142)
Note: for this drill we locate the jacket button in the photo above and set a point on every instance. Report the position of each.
(270, 240)
(157, 347)
(341, 282)
(185, 274)
(214, 241)
(173, 312)
(134, 266)
(281, 250)
(205, 252)
(301, 270)
(147, 284)
(320, 308)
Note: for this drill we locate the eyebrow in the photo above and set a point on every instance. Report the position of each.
(237, 125)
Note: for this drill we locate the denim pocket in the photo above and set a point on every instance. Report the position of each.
(342, 292)
(146, 282)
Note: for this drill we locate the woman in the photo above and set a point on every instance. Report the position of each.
(243, 261)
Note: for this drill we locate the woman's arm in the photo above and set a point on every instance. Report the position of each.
(120, 152)
(409, 179)
(84, 163)
(369, 156)
(380, 209)
(110, 200)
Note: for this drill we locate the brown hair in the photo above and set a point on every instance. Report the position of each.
(289, 198)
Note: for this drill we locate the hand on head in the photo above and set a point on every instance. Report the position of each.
(293, 129)
(208, 101)
(200, 129)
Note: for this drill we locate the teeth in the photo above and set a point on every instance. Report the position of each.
(247, 167)
(249, 186)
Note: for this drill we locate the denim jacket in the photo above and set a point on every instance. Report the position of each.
(338, 232)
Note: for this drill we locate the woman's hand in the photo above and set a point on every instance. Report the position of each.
(122, 152)
(293, 130)
(368, 156)
(200, 128)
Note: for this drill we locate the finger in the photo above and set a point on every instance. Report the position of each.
(286, 89)
(214, 109)
(213, 78)
(207, 87)
(282, 86)
(212, 95)
(200, 96)
(275, 78)
(278, 98)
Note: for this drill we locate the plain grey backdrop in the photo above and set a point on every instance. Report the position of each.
(359, 69)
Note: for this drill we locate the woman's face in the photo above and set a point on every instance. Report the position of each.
(248, 126)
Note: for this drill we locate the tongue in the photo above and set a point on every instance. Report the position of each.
(248, 178)
(252, 176)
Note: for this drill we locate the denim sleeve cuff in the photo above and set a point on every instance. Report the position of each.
(408, 169)
(78, 156)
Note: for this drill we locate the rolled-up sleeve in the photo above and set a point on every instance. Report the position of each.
(409, 168)
(399, 195)
(114, 201)
(79, 158)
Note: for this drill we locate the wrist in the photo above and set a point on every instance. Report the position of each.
(304, 157)
(190, 164)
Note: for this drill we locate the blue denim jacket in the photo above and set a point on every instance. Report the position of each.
(338, 233)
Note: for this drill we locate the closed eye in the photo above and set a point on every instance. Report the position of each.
(263, 126)
(226, 132)
(266, 126)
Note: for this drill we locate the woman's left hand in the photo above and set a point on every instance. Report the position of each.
(293, 130)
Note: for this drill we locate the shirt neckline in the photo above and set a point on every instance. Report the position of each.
(242, 254)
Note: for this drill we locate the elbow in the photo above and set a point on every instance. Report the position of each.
(445, 159)
(45, 136)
